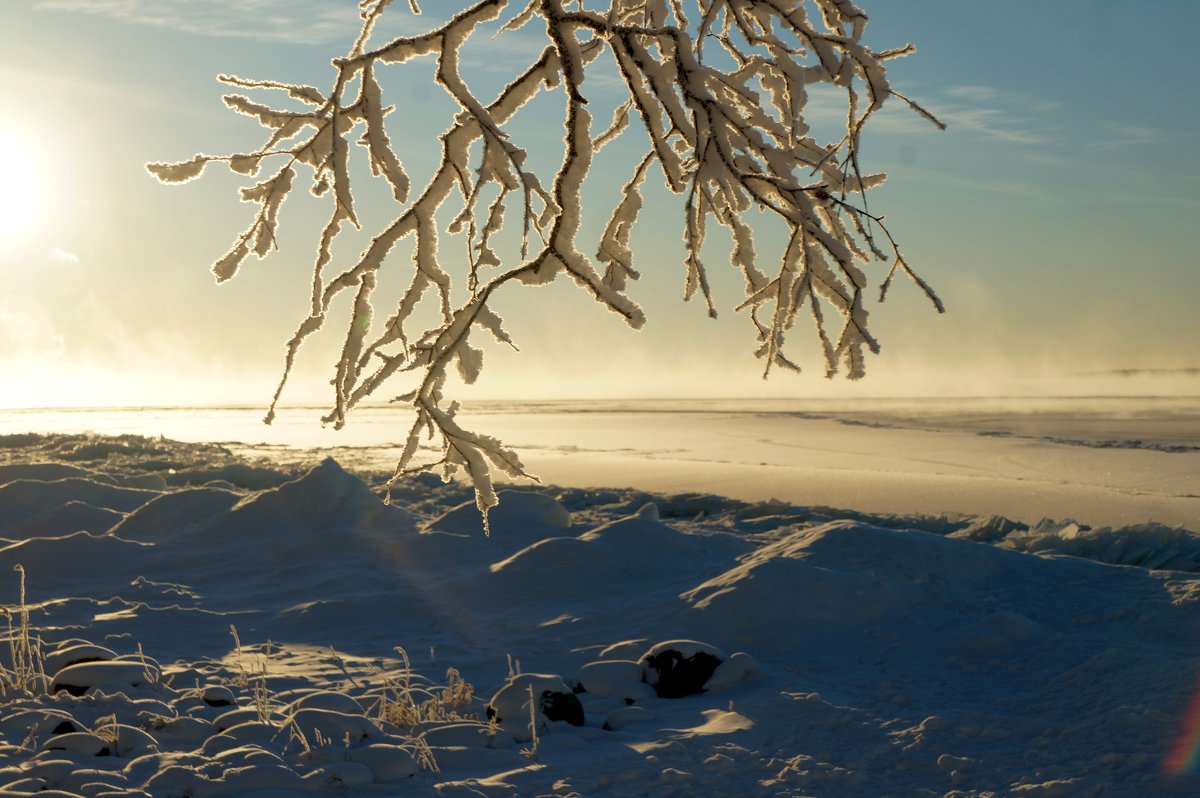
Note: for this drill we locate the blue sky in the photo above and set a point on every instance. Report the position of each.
(1055, 216)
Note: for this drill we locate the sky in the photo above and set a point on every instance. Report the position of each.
(1055, 216)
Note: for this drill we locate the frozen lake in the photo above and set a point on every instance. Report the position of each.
(1099, 461)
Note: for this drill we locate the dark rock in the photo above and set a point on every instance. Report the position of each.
(562, 706)
(680, 668)
(71, 689)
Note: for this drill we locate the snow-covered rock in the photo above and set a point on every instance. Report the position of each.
(612, 678)
(79, 678)
(679, 668)
(552, 700)
(59, 658)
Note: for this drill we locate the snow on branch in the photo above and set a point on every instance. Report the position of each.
(718, 101)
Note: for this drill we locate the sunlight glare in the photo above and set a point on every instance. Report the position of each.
(22, 194)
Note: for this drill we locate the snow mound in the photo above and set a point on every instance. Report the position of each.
(73, 516)
(612, 678)
(23, 498)
(241, 475)
(522, 513)
(1154, 546)
(172, 517)
(325, 497)
(843, 574)
(624, 551)
(40, 472)
(78, 559)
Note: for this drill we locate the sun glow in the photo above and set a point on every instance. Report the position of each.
(22, 185)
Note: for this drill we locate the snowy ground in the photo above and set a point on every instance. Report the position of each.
(861, 653)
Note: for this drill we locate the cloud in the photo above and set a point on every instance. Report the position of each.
(981, 111)
(286, 21)
(1122, 136)
(990, 95)
(996, 123)
(972, 93)
(995, 114)
(62, 257)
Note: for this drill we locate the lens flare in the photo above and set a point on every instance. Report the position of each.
(1185, 753)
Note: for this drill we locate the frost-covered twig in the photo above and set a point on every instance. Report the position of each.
(725, 128)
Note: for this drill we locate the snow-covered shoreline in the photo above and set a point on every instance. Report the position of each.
(866, 654)
(1099, 461)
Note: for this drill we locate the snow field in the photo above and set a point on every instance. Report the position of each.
(255, 630)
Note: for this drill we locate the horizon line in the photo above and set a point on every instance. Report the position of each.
(381, 405)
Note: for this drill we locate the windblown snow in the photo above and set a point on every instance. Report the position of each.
(195, 624)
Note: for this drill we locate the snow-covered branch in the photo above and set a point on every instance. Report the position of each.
(725, 127)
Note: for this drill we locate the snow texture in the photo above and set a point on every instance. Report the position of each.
(309, 638)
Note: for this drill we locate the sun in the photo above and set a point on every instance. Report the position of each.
(22, 185)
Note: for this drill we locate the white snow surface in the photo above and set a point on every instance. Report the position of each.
(276, 628)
